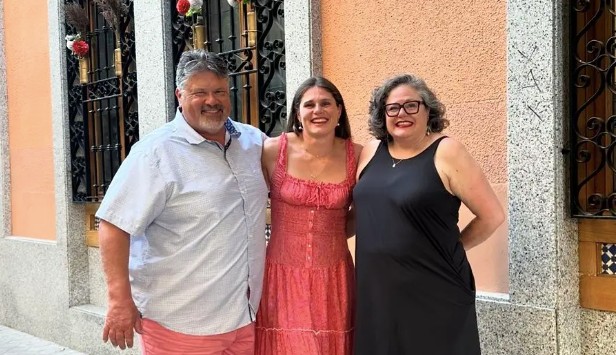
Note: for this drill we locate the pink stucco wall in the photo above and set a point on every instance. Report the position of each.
(29, 115)
(459, 48)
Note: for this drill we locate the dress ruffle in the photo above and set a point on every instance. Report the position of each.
(293, 323)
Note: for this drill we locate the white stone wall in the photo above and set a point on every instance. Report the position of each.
(542, 315)
(5, 195)
(302, 43)
(55, 290)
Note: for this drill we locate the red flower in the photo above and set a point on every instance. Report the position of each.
(80, 48)
(182, 6)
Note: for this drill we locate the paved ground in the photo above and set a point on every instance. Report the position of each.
(13, 342)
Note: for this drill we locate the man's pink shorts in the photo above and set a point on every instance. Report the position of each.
(158, 340)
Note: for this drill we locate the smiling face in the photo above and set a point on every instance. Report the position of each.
(406, 125)
(318, 111)
(205, 104)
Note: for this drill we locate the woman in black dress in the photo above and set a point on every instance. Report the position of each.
(415, 287)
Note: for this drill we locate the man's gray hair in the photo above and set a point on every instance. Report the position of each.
(198, 61)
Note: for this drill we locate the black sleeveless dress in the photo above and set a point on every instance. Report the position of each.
(415, 287)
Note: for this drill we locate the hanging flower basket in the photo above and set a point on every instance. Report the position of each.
(77, 17)
(78, 46)
(80, 49)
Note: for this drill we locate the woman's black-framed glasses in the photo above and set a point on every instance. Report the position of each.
(410, 107)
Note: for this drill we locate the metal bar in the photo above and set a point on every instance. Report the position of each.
(206, 19)
(102, 98)
(237, 112)
(219, 40)
(236, 51)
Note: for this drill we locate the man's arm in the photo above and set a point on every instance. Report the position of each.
(122, 314)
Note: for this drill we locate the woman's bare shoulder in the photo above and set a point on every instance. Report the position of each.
(451, 149)
(271, 147)
(272, 142)
(366, 155)
(357, 148)
(370, 148)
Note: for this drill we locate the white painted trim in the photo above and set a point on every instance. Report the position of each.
(70, 216)
(154, 64)
(493, 296)
(303, 50)
(5, 171)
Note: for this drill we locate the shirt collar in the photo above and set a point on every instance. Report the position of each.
(187, 132)
(230, 127)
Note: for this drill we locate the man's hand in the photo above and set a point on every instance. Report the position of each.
(122, 318)
(122, 314)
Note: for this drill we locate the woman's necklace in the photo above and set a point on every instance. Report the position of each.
(319, 160)
(394, 162)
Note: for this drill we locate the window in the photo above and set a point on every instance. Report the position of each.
(251, 39)
(593, 143)
(102, 92)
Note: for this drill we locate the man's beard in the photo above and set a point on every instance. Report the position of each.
(210, 124)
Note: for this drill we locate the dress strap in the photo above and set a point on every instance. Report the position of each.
(434, 146)
(351, 162)
(281, 163)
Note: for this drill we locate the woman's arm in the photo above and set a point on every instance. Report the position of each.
(350, 219)
(464, 178)
(268, 158)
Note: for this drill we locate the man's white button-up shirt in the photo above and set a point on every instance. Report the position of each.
(195, 212)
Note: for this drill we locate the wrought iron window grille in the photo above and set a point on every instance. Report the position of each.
(103, 110)
(593, 109)
(251, 39)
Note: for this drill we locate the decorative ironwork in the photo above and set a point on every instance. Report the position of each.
(593, 103)
(272, 66)
(75, 117)
(257, 78)
(103, 113)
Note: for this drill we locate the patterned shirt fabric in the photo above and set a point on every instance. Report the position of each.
(195, 211)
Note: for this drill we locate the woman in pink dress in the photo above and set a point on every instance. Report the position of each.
(308, 294)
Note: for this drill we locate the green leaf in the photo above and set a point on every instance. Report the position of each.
(192, 11)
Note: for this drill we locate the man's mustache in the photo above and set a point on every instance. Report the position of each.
(211, 107)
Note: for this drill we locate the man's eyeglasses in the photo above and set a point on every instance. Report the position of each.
(410, 107)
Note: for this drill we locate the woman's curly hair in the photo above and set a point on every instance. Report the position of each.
(376, 123)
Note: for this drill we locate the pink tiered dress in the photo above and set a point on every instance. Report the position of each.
(308, 293)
